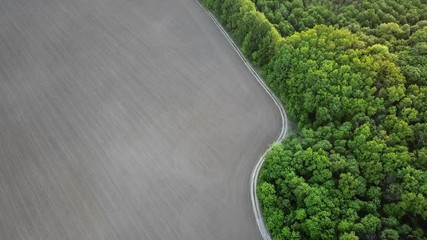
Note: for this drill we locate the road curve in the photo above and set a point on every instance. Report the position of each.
(125, 120)
(282, 135)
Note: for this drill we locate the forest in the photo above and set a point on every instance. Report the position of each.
(353, 75)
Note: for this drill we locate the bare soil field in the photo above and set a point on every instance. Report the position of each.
(125, 120)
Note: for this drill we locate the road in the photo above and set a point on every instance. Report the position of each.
(125, 120)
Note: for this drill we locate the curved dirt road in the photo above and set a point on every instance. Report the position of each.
(125, 120)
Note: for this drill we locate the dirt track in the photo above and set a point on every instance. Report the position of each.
(125, 120)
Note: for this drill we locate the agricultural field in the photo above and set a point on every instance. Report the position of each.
(125, 120)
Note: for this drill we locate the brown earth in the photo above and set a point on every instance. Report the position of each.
(125, 120)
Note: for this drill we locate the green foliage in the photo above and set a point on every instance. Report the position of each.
(249, 27)
(353, 75)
